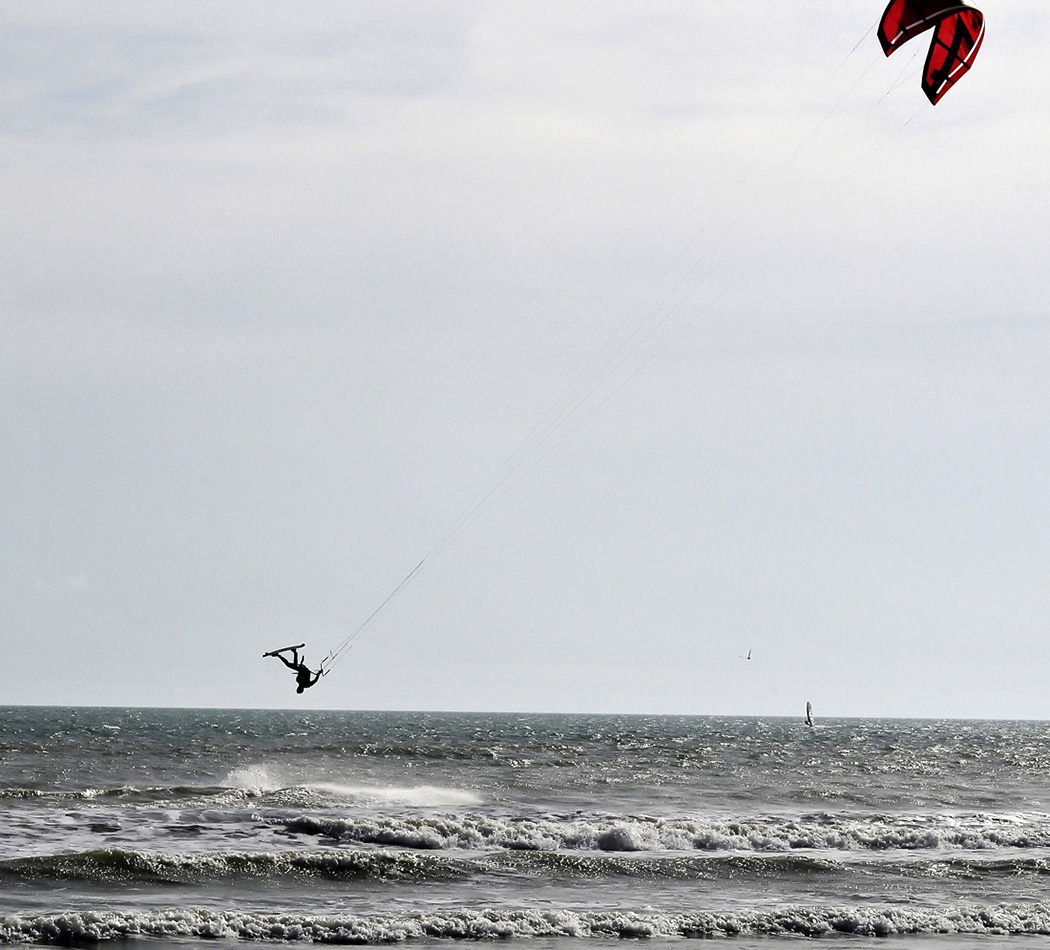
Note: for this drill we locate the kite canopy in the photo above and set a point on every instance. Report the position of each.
(958, 31)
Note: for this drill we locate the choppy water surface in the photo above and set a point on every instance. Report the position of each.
(374, 827)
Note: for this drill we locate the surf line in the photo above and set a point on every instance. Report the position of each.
(624, 354)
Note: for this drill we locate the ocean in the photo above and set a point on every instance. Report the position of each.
(185, 826)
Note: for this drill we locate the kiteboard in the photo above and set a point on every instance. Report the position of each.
(296, 646)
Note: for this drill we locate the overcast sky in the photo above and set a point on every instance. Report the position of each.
(283, 286)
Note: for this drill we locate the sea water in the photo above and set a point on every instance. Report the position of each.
(353, 827)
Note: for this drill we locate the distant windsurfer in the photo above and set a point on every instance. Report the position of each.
(304, 676)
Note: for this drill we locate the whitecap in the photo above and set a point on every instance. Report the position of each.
(422, 796)
(256, 779)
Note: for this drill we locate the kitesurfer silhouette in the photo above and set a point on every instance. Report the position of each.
(304, 676)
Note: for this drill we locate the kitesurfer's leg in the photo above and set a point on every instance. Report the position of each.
(287, 662)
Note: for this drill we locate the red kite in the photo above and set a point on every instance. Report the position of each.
(958, 30)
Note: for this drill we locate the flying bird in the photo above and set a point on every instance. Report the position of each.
(748, 657)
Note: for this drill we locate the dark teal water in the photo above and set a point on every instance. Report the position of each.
(252, 826)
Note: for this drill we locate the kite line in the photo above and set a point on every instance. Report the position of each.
(648, 330)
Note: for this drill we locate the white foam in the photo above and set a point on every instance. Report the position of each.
(1023, 918)
(769, 836)
(263, 780)
(257, 779)
(422, 796)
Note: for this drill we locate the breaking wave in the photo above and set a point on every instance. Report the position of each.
(1003, 919)
(821, 832)
(126, 866)
(256, 784)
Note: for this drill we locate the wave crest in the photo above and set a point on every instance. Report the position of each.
(121, 865)
(1003, 919)
(610, 834)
